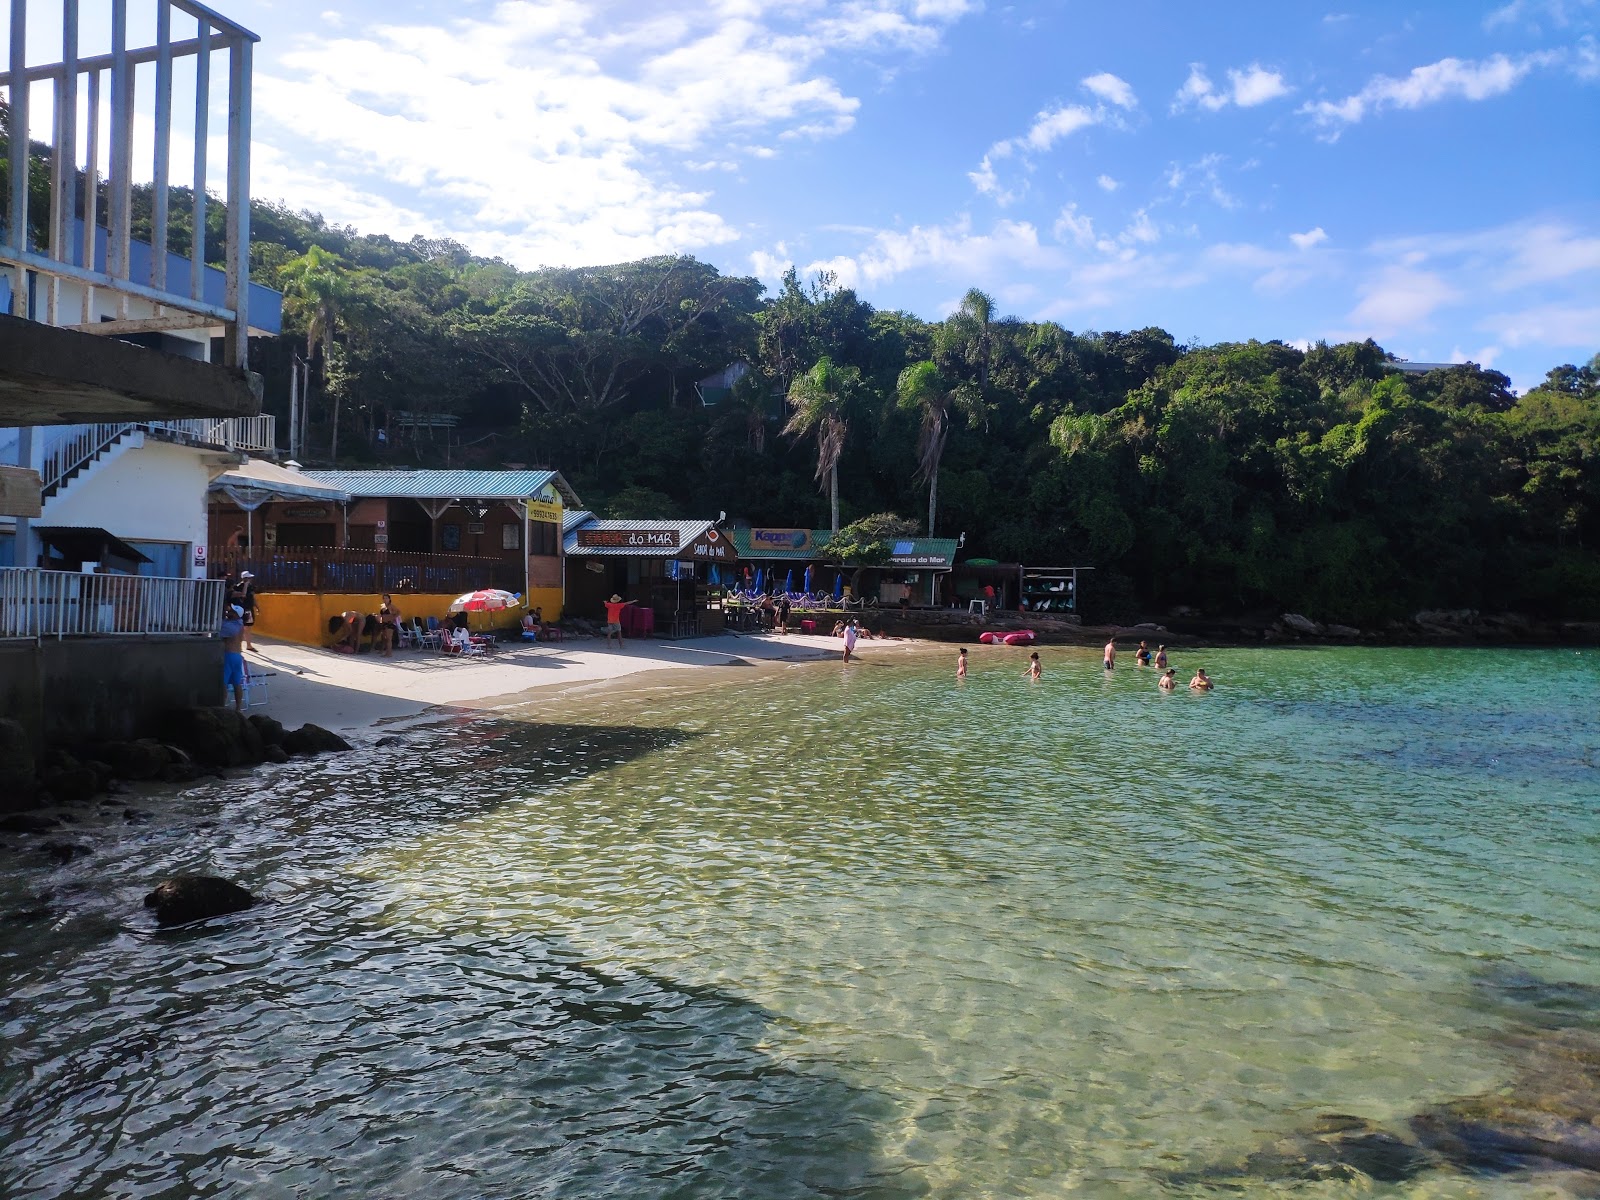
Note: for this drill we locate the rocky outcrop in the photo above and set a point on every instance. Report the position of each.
(1295, 623)
(313, 739)
(186, 898)
(270, 731)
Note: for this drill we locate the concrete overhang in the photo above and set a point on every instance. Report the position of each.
(51, 376)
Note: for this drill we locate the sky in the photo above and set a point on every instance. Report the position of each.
(1424, 174)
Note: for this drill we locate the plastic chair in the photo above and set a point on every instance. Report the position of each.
(255, 686)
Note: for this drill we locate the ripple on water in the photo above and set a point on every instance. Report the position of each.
(823, 932)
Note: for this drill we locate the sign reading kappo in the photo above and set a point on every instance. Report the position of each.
(546, 506)
(633, 539)
(791, 540)
(710, 546)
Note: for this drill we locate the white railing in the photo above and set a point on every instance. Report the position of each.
(59, 604)
(78, 444)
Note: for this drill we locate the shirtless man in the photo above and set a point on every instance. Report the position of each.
(1201, 681)
(1169, 681)
(231, 631)
(1111, 654)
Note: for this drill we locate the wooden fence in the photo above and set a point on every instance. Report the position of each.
(329, 569)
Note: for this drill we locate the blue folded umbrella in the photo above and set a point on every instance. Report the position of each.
(838, 586)
(808, 579)
(788, 582)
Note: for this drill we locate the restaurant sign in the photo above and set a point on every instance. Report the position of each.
(905, 554)
(546, 505)
(710, 546)
(792, 541)
(630, 539)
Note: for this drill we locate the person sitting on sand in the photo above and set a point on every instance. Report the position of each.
(613, 625)
(1201, 681)
(345, 632)
(1035, 668)
(1161, 658)
(1169, 681)
(838, 628)
(1141, 656)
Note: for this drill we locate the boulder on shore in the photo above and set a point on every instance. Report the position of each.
(16, 767)
(214, 737)
(139, 761)
(313, 739)
(271, 731)
(185, 898)
(1296, 623)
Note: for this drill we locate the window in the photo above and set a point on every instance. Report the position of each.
(544, 537)
(511, 537)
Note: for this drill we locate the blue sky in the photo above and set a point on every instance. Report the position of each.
(1421, 173)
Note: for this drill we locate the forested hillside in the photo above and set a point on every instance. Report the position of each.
(1231, 478)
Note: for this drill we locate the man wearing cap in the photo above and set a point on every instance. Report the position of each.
(243, 595)
(613, 626)
(231, 631)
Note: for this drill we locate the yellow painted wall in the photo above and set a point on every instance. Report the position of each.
(303, 616)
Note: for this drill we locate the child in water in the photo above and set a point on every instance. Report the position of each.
(961, 664)
(1034, 668)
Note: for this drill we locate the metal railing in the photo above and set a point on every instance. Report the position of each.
(79, 444)
(60, 604)
(70, 252)
(367, 572)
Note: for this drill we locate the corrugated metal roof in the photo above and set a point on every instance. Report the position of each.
(923, 551)
(574, 517)
(445, 485)
(819, 541)
(685, 531)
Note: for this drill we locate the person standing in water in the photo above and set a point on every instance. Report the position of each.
(961, 663)
(850, 635)
(1141, 656)
(1111, 654)
(231, 631)
(1161, 658)
(1035, 668)
(1169, 681)
(1201, 681)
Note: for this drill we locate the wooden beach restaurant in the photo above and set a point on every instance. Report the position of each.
(673, 571)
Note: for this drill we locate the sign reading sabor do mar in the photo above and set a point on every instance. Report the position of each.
(630, 539)
(710, 546)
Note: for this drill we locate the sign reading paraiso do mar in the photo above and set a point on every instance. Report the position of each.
(632, 539)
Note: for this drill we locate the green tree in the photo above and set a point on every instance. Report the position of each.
(818, 400)
(923, 390)
(317, 287)
(868, 543)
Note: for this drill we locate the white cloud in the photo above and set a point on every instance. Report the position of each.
(1310, 238)
(1107, 184)
(551, 133)
(1247, 88)
(1398, 299)
(1111, 89)
(1559, 13)
(1071, 225)
(1558, 326)
(1447, 79)
(1201, 178)
(1050, 126)
(1484, 357)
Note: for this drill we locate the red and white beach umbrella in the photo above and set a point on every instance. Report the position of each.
(483, 600)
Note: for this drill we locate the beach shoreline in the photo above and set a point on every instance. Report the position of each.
(369, 694)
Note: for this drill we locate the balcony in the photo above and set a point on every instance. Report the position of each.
(367, 572)
(39, 604)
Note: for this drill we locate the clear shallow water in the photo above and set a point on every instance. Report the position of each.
(825, 932)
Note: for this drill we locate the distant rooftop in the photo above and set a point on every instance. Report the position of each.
(445, 485)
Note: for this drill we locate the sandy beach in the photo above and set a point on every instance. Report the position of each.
(354, 693)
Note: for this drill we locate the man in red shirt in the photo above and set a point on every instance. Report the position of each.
(613, 626)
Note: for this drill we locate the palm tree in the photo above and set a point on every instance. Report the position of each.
(969, 331)
(317, 286)
(818, 398)
(921, 388)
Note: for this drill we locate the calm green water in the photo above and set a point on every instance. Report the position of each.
(824, 931)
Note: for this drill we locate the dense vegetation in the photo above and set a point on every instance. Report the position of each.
(1233, 478)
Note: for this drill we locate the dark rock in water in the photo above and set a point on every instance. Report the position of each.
(16, 767)
(1487, 1139)
(136, 816)
(1337, 1147)
(64, 852)
(313, 739)
(392, 739)
(139, 761)
(185, 898)
(1541, 1001)
(275, 754)
(71, 785)
(215, 737)
(271, 731)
